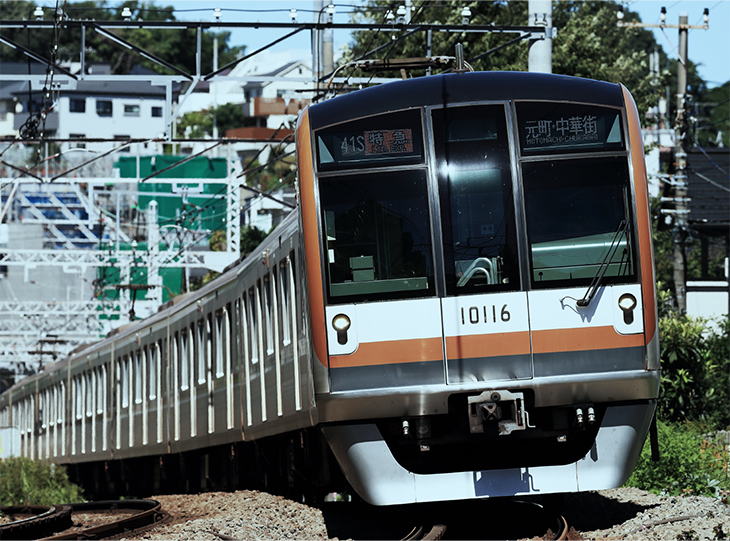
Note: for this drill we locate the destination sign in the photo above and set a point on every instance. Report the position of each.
(549, 127)
(394, 138)
(378, 143)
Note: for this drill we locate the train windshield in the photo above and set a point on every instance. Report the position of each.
(577, 206)
(376, 224)
(475, 190)
(574, 210)
(378, 235)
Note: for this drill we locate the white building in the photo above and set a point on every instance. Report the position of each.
(89, 109)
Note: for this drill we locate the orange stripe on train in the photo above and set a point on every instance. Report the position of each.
(488, 345)
(311, 236)
(395, 352)
(643, 216)
(592, 338)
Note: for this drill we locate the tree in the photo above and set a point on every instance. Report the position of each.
(271, 175)
(199, 124)
(588, 43)
(713, 111)
(178, 47)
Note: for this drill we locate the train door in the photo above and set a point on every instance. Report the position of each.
(585, 297)
(484, 310)
(376, 225)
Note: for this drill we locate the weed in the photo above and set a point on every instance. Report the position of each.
(33, 482)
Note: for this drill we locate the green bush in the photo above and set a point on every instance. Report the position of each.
(689, 463)
(33, 482)
(717, 363)
(695, 371)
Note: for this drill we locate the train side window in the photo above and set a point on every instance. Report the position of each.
(245, 330)
(192, 341)
(79, 396)
(41, 407)
(229, 337)
(101, 389)
(284, 301)
(202, 346)
(475, 190)
(57, 405)
(176, 371)
(89, 383)
(152, 377)
(221, 337)
(269, 301)
(254, 324)
(62, 402)
(183, 360)
(139, 376)
(125, 382)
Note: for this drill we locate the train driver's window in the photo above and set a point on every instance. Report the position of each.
(578, 220)
(378, 235)
(475, 190)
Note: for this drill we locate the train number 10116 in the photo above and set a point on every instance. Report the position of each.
(484, 314)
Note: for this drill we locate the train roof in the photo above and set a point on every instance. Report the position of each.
(460, 88)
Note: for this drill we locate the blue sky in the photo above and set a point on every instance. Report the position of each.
(708, 48)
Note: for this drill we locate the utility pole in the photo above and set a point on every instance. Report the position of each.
(540, 52)
(679, 182)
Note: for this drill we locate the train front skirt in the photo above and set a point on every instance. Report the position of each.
(376, 476)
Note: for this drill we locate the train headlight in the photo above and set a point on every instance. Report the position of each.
(627, 303)
(341, 323)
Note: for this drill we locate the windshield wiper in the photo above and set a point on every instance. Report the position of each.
(598, 278)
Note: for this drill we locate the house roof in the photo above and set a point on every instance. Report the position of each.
(276, 72)
(110, 88)
(8, 88)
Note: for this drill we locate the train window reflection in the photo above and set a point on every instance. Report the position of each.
(574, 209)
(377, 235)
(184, 345)
(475, 189)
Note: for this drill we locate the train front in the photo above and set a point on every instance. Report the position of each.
(481, 286)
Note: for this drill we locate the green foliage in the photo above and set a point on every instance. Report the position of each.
(176, 46)
(588, 42)
(714, 117)
(695, 371)
(199, 124)
(271, 176)
(251, 237)
(33, 482)
(716, 361)
(689, 463)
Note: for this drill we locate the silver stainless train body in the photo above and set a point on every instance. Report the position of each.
(227, 363)
(440, 383)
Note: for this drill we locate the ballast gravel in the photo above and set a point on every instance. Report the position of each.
(623, 513)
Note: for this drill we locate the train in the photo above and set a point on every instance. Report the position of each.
(461, 306)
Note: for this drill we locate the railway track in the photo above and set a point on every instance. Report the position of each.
(503, 519)
(109, 518)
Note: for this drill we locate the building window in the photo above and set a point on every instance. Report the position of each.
(123, 138)
(104, 107)
(156, 111)
(131, 110)
(77, 136)
(77, 105)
